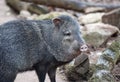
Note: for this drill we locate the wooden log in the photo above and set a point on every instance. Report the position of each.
(70, 4)
(112, 17)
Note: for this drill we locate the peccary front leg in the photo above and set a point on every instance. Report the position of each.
(7, 74)
(52, 74)
(41, 72)
(7, 78)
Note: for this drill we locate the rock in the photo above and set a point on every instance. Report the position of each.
(95, 39)
(32, 17)
(90, 18)
(101, 28)
(52, 15)
(24, 14)
(94, 9)
(37, 9)
(106, 63)
(96, 34)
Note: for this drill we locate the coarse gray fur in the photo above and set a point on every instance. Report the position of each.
(40, 45)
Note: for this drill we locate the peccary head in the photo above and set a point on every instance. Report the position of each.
(65, 39)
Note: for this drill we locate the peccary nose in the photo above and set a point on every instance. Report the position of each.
(84, 48)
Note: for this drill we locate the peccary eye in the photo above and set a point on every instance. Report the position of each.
(67, 33)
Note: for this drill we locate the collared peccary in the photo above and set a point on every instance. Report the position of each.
(38, 45)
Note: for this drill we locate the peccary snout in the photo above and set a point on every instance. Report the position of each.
(83, 48)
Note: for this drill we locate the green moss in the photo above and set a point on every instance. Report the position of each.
(94, 39)
(115, 47)
(105, 63)
(51, 15)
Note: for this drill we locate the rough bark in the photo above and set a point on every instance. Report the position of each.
(78, 69)
(112, 17)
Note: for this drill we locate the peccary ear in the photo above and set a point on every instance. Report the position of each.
(57, 22)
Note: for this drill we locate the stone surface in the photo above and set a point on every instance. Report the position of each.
(95, 34)
(90, 18)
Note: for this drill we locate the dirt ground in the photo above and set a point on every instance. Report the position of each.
(30, 76)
